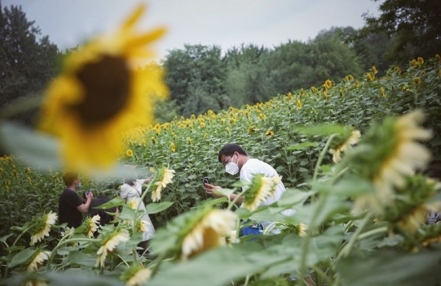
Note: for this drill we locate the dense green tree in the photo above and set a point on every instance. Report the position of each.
(27, 61)
(200, 79)
(195, 76)
(332, 59)
(371, 49)
(414, 25)
(288, 69)
(245, 75)
(165, 111)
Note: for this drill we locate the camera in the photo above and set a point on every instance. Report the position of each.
(205, 180)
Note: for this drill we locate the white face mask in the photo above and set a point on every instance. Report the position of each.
(232, 168)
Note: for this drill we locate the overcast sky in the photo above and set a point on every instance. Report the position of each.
(225, 23)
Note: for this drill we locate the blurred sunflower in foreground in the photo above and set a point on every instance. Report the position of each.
(386, 168)
(101, 94)
(195, 232)
(343, 142)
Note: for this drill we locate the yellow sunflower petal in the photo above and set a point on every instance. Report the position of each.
(102, 94)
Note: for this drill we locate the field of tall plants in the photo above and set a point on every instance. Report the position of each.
(353, 155)
(358, 221)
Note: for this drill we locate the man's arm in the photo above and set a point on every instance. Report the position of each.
(84, 208)
(239, 200)
(211, 190)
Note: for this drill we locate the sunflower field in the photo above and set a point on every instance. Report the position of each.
(352, 155)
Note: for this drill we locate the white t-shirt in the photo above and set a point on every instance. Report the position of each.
(255, 166)
(130, 192)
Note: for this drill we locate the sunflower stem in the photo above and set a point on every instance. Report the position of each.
(232, 203)
(338, 175)
(319, 161)
(159, 260)
(322, 155)
(247, 279)
(63, 242)
(21, 234)
(15, 242)
(307, 238)
(347, 248)
(123, 260)
(372, 232)
(321, 274)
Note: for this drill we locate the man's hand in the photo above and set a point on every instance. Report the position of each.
(211, 190)
(89, 195)
(84, 208)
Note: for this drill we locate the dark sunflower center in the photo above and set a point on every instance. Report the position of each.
(106, 85)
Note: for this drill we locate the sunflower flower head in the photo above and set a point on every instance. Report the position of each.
(92, 225)
(143, 226)
(327, 84)
(259, 190)
(42, 226)
(37, 260)
(100, 94)
(136, 275)
(301, 229)
(165, 177)
(409, 209)
(109, 242)
(232, 237)
(269, 133)
(343, 142)
(68, 232)
(205, 230)
(387, 153)
(413, 221)
(133, 203)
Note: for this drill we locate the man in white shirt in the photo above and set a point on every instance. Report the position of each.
(236, 160)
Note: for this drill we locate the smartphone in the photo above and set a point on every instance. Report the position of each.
(85, 194)
(205, 181)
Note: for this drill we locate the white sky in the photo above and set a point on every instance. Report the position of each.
(225, 23)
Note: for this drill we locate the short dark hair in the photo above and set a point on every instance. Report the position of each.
(69, 178)
(129, 181)
(229, 149)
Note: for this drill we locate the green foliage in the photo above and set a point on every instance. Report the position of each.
(27, 61)
(414, 25)
(200, 79)
(289, 132)
(195, 75)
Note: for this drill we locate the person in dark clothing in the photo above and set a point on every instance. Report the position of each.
(70, 205)
(105, 214)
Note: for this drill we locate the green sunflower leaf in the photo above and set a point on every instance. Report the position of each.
(22, 257)
(392, 268)
(115, 202)
(158, 207)
(36, 149)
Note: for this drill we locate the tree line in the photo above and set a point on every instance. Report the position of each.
(202, 78)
